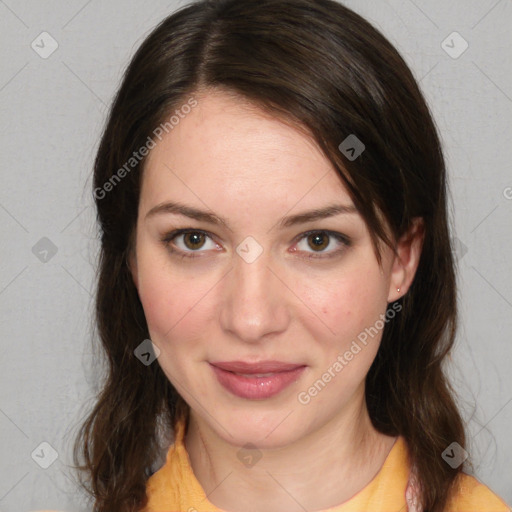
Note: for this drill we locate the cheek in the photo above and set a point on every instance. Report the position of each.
(169, 302)
(345, 306)
(171, 314)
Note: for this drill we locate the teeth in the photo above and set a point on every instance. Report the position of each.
(253, 375)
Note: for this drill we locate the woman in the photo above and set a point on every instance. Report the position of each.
(277, 290)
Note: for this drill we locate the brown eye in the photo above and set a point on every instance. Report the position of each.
(193, 239)
(322, 244)
(188, 243)
(318, 241)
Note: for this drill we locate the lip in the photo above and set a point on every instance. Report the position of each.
(256, 388)
(260, 367)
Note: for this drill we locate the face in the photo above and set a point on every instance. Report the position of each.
(264, 283)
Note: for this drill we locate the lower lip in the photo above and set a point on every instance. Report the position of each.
(257, 388)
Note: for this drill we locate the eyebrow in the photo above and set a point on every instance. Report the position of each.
(285, 222)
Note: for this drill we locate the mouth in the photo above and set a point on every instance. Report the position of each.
(261, 367)
(256, 381)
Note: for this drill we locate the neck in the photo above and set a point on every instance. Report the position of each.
(321, 470)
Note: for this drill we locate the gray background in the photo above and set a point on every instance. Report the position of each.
(52, 112)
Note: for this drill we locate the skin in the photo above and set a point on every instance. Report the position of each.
(228, 157)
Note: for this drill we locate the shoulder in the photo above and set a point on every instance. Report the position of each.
(470, 495)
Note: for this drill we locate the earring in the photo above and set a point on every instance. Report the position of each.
(398, 289)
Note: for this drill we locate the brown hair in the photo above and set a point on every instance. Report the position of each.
(328, 71)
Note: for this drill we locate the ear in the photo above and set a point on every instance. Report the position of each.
(406, 260)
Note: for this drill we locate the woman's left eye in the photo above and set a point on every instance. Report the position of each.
(192, 240)
(322, 240)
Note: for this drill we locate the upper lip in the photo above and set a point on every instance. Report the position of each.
(261, 367)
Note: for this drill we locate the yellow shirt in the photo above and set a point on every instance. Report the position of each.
(174, 487)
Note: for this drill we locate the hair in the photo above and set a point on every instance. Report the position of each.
(325, 70)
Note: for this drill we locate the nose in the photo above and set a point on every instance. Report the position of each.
(255, 300)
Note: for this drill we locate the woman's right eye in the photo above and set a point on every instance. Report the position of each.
(188, 242)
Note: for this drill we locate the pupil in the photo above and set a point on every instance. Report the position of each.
(317, 240)
(195, 238)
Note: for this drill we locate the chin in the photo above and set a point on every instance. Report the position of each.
(266, 428)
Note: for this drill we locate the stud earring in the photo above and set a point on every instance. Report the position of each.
(398, 289)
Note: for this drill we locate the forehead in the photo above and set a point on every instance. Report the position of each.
(229, 147)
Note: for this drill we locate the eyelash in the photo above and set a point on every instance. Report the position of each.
(169, 237)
